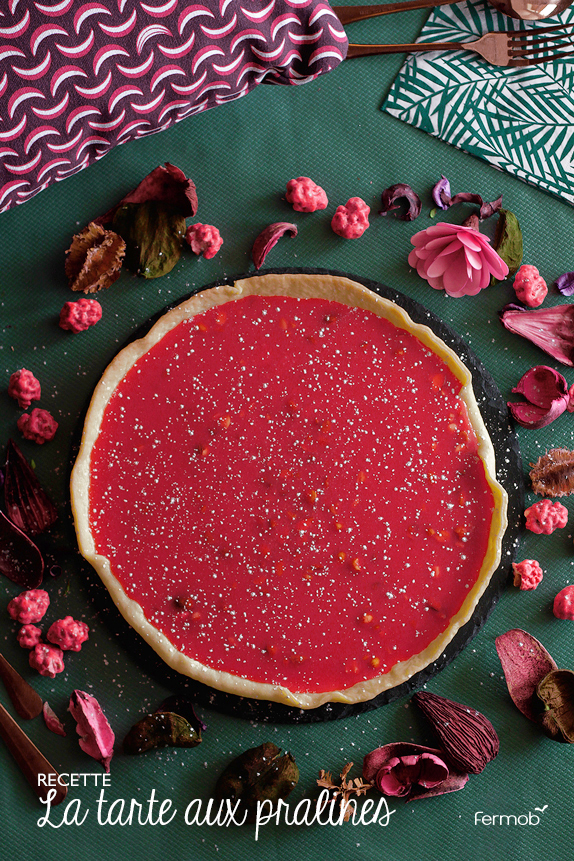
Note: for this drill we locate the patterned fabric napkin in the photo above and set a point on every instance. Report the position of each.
(519, 120)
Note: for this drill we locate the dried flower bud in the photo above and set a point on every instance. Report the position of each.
(27, 504)
(546, 394)
(466, 735)
(94, 260)
(412, 771)
(260, 774)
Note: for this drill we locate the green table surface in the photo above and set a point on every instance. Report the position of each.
(240, 157)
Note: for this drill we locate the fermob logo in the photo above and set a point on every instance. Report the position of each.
(530, 818)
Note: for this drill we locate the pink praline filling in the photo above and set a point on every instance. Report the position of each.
(313, 472)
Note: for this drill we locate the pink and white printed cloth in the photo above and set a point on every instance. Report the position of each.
(78, 78)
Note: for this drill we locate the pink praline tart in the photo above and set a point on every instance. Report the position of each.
(289, 491)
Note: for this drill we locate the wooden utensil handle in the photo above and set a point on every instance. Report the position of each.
(365, 50)
(26, 701)
(348, 14)
(32, 763)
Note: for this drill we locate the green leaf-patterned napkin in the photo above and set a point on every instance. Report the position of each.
(518, 120)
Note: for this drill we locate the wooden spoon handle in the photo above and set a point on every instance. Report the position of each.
(26, 701)
(32, 763)
(348, 14)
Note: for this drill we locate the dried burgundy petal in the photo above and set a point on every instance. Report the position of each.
(96, 735)
(441, 193)
(401, 191)
(405, 759)
(268, 238)
(525, 663)
(28, 506)
(20, 559)
(547, 394)
(166, 184)
(551, 329)
(565, 283)
(52, 720)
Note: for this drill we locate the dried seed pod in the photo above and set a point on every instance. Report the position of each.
(27, 505)
(160, 729)
(553, 473)
(556, 690)
(94, 259)
(466, 735)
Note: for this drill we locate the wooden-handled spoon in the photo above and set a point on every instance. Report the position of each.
(26, 701)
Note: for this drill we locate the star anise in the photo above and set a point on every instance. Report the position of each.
(344, 790)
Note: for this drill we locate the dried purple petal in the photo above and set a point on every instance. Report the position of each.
(412, 770)
(546, 392)
(52, 720)
(401, 190)
(551, 329)
(488, 209)
(268, 238)
(96, 735)
(28, 506)
(441, 193)
(20, 559)
(565, 283)
(167, 185)
(525, 663)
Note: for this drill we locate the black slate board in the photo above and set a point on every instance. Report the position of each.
(509, 473)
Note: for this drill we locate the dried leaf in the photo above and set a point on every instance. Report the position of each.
(153, 233)
(96, 735)
(508, 240)
(553, 473)
(343, 790)
(160, 729)
(556, 690)
(94, 259)
(20, 559)
(28, 506)
(259, 774)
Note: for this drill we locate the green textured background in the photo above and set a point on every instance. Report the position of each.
(240, 157)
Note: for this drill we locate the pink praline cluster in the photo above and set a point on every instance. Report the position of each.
(204, 239)
(24, 387)
(29, 607)
(456, 259)
(68, 634)
(304, 195)
(48, 660)
(544, 517)
(527, 574)
(38, 426)
(79, 316)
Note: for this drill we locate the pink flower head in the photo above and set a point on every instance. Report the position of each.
(351, 220)
(29, 606)
(68, 634)
(544, 517)
(304, 195)
(204, 239)
(527, 574)
(411, 771)
(48, 660)
(38, 426)
(456, 259)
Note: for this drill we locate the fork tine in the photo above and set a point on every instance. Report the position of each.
(537, 61)
(526, 47)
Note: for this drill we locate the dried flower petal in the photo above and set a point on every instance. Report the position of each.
(259, 774)
(525, 663)
(160, 729)
(507, 240)
(401, 191)
(52, 720)
(153, 233)
(28, 506)
(165, 184)
(465, 734)
(551, 329)
(556, 690)
(553, 473)
(94, 259)
(268, 238)
(96, 736)
(546, 392)
(376, 763)
(20, 559)
(441, 193)
(565, 283)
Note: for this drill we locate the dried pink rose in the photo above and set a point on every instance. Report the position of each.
(38, 426)
(96, 735)
(68, 634)
(527, 574)
(456, 259)
(545, 517)
(29, 636)
(48, 660)
(30, 606)
(204, 239)
(304, 195)
(351, 220)
(412, 771)
(551, 329)
(564, 603)
(547, 396)
(268, 238)
(52, 720)
(24, 387)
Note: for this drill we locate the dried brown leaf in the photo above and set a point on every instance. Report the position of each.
(553, 473)
(94, 260)
(344, 789)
